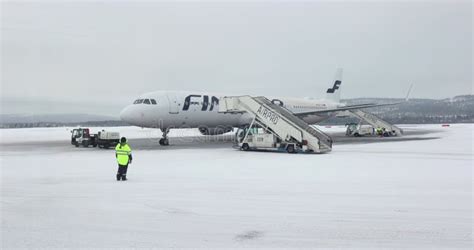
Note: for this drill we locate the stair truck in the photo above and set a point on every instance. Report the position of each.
(254, 137)
(273, 127)
(357, 130)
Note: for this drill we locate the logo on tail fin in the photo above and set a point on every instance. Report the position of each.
(337, 83)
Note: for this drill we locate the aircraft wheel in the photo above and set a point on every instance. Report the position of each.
(164, 142)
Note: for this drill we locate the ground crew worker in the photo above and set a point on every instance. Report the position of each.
(123, 153)
(379, 131)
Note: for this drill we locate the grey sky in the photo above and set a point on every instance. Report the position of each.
(95, 57)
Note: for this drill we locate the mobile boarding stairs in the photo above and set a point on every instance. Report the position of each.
(374, 121)
(279, 121)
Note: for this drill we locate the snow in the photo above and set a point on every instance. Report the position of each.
(410, 194)
(62, 133)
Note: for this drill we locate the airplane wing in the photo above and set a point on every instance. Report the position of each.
(352, 107)
(344, 108)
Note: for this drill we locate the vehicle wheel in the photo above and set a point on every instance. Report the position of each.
(290, 149)
(95, 145)
(85, 144)
(106, 146)
(164, 142)
(245, 147)
(76, 144)
(356, 134)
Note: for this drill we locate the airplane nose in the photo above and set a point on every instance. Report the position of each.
(126, 115)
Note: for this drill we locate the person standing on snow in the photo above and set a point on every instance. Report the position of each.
(123, 153)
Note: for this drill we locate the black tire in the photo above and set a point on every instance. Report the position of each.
(164, 142)
(290, 149)
(76, 144)
(85, 144)
(245, 147)
(357, 135)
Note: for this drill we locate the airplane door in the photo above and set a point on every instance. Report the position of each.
(173, 104)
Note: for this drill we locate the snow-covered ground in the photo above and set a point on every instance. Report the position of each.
(411, 194)
(64, 133)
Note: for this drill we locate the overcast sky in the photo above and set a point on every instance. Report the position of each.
(95, 57)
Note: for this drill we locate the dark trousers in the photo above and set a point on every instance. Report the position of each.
(122, 172)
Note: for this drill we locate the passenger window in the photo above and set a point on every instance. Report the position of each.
(135, 102)
(153, 101)
(140, 101)
(147, 101)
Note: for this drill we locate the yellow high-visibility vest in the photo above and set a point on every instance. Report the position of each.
(123, 153)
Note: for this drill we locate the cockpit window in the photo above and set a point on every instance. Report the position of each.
(145, 101)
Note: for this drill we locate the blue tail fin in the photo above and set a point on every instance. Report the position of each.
(334, 93)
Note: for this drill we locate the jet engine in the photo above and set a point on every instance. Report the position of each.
(215, 131)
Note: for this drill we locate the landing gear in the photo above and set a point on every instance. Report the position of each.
(164, 141)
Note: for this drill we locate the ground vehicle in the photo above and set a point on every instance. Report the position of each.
(287, 131)
(82, 136)
(257, 138)
(354, 129)
(103, 139)
(106, 139)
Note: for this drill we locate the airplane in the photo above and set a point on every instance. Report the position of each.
(167, 110)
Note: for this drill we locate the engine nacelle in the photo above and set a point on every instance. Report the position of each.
(214, 131)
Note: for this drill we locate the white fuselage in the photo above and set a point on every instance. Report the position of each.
(180, 109)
